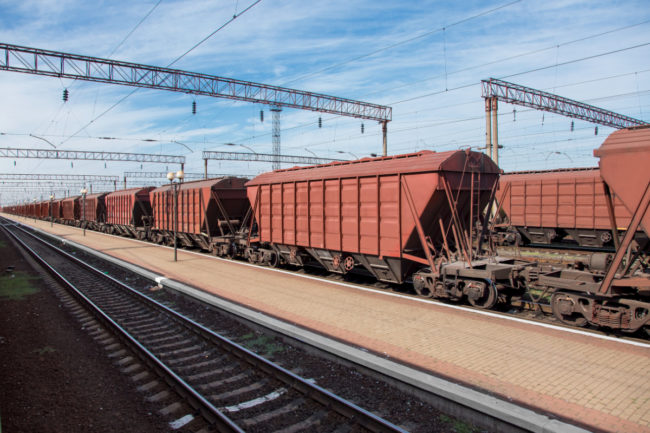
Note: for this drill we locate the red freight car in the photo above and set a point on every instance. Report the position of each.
(70, 210)
(619, 299)
(561, 205)
(56, 209)
(92, 211)
(128, 212)
(209, 213)
(385, 215)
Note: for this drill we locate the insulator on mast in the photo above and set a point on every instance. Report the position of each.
(572, 125)
(193, 107)
(362, 128)
(262, 116)
(320, 122)
(596, 131)
(65, 95)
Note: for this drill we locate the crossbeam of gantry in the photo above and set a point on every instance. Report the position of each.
(544, 101)
(163, 174)
(266, 157)
(36, 183)
(58, 64)
(9, 152)
(71, 177)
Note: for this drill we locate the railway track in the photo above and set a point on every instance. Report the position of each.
(213, 380)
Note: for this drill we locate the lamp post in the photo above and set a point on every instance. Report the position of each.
(51, 211)
(174, 186)
(83, 207)
(349, 153)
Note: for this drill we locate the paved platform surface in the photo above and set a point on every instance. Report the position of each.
(599, 384)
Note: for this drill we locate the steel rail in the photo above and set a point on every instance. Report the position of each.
(343, 407)
(196, 400)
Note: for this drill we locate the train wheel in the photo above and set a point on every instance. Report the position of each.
(562, 305)
(481, 295)
(274, 260)
(348, 263)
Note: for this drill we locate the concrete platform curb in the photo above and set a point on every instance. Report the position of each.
(489, 405)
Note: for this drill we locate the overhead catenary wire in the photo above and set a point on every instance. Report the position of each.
(124, 98)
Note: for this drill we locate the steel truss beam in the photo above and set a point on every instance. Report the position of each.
(51, 183)
(528, 97)
(81, 177)
(8, 152)
(266, 157)
(57, 64)
(163, 174)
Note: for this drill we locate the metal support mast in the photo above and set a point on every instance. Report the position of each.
(276, 136)
(494, 90)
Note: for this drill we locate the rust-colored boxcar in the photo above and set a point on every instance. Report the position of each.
(128, 212)
(625, 167)
(70, 210)
(561, 205)
(209, 211)
(42, 209)
(56, 209)
(379, 213)
(92, 211)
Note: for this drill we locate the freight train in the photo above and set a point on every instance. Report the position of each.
(418, 218)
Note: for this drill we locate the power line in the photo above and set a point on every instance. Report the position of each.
(423, 35)
(176, 60)
(465, 86)
(505, 59)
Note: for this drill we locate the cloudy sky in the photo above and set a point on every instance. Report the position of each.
(425, 59)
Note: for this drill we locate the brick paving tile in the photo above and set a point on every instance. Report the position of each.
(579, 378)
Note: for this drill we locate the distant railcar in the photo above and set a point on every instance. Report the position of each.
(128, 212)
(92, 213)
(70, 210)
(210, 213)
(562, 206)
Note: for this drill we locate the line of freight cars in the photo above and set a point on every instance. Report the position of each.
(414, 218)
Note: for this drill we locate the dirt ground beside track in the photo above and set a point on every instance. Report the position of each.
(53, 376)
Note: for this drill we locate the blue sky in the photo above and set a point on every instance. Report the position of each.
(392, 53)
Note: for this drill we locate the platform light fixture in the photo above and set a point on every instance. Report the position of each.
(51, 211)
(83, 192)
(175, 186)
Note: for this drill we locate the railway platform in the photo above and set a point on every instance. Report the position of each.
(595, 382)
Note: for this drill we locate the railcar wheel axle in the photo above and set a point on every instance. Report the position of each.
(481, 295)
(563, 310)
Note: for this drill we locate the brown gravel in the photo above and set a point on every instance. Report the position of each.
(53, 376)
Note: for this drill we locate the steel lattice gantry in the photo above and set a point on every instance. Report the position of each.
(265, 157)
(78, 177)
(163, 174)
(57, 64)
(494, 90)
(9, 152)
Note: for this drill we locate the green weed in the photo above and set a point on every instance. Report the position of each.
(17, 286)
(42, 351)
